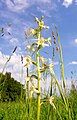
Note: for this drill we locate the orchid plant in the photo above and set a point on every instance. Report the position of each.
(40, 65)
(39, 62)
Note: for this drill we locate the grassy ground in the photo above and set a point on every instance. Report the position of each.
(17, 111)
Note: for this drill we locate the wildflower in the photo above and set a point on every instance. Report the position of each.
(33, 89)
(28, 61)
(42, 59)
(43, 68)
(27, 79)
(29, 32)
(36, 19)
(31, 93)
(41, 42)
(48, 40)
(47, 27)
(51, 101)
(41, 24)
(36, 91)
(33, 31)
(28, 46)
(51, 66)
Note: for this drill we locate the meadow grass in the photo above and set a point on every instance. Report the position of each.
(17, 110)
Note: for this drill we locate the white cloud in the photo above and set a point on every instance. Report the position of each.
(75, 41)
(47, 7)
(67, 3)
(14, 66)
(3, 59)
(44, 1)
(39, 2)
(44, 11)
(17, 5)
(21, 5)
(73, 63)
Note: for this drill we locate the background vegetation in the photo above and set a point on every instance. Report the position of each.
(13, 108)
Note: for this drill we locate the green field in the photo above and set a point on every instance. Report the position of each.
(19, 110)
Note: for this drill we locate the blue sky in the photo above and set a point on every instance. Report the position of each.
(19, 13)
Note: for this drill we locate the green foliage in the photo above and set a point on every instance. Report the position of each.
(17, 110)
(73, 101)
(10, 89)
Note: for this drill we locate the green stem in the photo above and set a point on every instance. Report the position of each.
(62, 65)
(60, 90)
(27, 97)
(21, 83)
(39, 77)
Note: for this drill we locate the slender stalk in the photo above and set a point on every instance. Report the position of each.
(21, 80)
(60, 90)
(49, 116)
(51, 87)
(9, 59)
(27, 96)
(62, 64)
(62, 76)
(50, 108)
(39, 76)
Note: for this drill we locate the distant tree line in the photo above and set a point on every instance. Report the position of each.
(10, 89)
